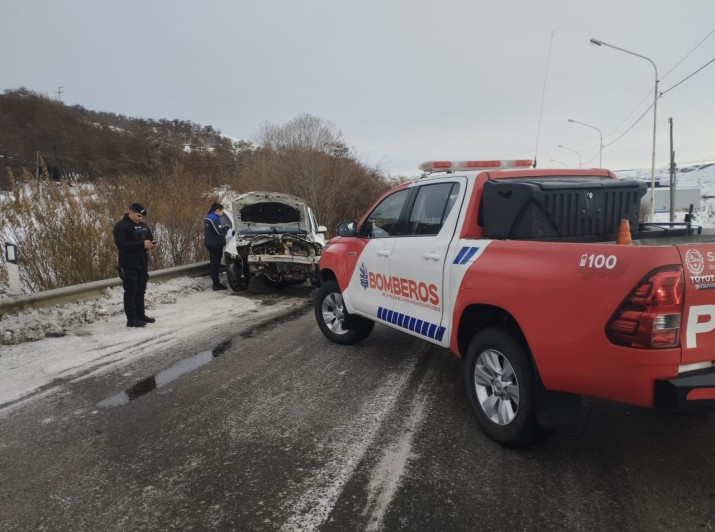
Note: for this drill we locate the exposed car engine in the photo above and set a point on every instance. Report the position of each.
(276, 238)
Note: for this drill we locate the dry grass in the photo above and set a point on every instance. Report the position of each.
(64, 233)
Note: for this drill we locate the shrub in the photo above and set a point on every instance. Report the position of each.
(64, 233)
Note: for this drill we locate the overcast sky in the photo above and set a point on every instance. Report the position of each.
(404, 81)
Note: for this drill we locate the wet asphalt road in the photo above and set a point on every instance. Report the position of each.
(277, 429)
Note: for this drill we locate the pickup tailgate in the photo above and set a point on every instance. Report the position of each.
(694, 387)
(698, 341)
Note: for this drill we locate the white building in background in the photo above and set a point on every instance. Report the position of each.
(684, 197)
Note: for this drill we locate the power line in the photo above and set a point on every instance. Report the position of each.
(688, 77)
(662, 92)
(688, 54)
(651, 105)
(708, 159)
(648, 94)
(624, 133)
(632, 126)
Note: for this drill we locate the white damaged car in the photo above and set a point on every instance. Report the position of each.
(275, 237)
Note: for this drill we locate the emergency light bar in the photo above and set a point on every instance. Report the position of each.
(450, 166)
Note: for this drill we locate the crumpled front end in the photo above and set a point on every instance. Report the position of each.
(280, 258)
(275, 237)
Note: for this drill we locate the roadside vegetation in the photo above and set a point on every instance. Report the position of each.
(63, 224)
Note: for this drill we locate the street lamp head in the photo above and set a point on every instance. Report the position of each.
(570, 120)
(596, 42)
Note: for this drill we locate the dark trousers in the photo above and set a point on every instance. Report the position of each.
(214, 263)
(135, 280)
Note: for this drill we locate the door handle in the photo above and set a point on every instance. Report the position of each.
(383, 253)
(432, 256)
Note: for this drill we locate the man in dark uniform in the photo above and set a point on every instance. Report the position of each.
(133, 239)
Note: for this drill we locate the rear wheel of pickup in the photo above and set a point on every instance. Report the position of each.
(334, 321)
(501, 388)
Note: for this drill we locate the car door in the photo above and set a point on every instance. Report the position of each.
(419, 257)
(369, 260)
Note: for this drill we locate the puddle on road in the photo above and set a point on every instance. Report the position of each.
(165, 376)
(293, 314)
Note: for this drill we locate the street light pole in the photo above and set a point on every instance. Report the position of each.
(577, 153)
(600, 149)
(655, 114)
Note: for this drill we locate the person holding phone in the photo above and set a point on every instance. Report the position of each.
(134, 239)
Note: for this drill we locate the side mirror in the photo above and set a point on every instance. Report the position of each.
(346, 228)
(322, 229)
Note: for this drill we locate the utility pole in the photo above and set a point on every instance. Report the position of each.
(59, 92)
(672, 173)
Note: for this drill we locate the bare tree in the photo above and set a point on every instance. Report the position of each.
(307, 157)
(306, 134)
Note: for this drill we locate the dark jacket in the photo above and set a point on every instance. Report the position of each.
(214, 231)
(129, 239)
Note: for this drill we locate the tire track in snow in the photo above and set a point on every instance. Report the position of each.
(320, 492)
(385, 478)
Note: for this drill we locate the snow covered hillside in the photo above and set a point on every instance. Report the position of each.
(700, 176)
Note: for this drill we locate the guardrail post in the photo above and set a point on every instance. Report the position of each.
(13, 271)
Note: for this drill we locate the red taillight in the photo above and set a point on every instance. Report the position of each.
(650, 316)
(700, 394)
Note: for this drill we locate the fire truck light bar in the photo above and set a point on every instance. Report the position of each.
(435, 166)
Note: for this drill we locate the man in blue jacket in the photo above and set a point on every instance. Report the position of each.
(214, 240)
(133, 240)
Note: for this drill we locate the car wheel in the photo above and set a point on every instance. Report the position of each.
(236, 277)
(334, 321)
(501, 388)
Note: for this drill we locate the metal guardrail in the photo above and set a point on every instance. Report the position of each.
(68, 294)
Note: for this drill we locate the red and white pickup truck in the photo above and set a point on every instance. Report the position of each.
(518, 272)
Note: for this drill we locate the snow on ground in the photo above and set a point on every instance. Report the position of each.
(54, 321)
(82, 339)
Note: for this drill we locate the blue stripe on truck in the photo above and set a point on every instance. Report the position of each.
(421, 327)
(465, 254)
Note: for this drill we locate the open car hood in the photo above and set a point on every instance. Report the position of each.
(263, 213)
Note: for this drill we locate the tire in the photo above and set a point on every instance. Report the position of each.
(237, 281)
(334, 321)
(501, 388)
